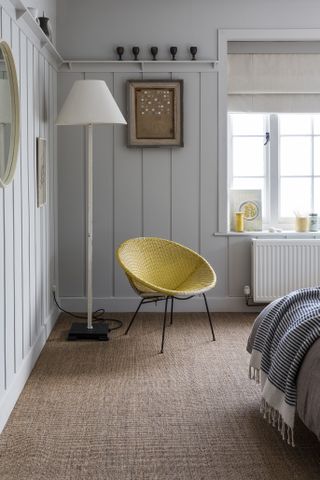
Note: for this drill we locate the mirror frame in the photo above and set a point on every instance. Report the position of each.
(15, 110)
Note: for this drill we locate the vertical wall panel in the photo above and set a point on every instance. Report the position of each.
(25, 231)
(18, 312)
(185, 169)
(41, 211)
(157, 184)
(38, 246)
(71, 158)
(55, 272)
(213, 248)
(127, 185)
(103, 258)
(32, 192)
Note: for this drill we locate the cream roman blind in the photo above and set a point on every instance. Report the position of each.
(281, 83)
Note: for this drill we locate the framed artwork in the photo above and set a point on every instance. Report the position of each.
(41, 172)
(155, 113)
(248, 202)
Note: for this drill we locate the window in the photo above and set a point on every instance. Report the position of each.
(279, 154)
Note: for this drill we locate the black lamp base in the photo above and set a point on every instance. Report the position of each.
(80, 331)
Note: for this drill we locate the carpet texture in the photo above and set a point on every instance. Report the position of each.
(118, 410)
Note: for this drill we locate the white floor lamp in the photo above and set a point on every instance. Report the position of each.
(89, 103)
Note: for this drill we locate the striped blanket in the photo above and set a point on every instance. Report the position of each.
(282, 340)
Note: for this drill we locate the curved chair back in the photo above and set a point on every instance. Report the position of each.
(158, 262)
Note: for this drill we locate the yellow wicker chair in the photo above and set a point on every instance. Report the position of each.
(160, 269)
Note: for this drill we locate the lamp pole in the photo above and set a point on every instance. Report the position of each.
(89, 222)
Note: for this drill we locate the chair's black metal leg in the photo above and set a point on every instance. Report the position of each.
(134, 316)
(209, 317)
(171, 313)
(164, 324)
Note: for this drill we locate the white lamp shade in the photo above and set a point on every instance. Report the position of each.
(5, 102)
(89, 102)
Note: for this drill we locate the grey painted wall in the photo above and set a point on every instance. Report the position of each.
(173, 194)
(92, 29)
(27, 233)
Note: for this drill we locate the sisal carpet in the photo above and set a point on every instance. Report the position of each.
(120, 411)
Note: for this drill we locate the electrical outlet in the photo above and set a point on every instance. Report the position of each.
(54, 288)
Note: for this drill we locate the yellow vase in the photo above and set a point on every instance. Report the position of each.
(239, 221)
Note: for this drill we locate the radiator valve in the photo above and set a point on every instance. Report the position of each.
(247, 290)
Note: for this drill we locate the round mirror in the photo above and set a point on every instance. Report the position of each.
(9, 115)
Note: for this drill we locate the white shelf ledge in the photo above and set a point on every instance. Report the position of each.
(23, 14)
(140, 65)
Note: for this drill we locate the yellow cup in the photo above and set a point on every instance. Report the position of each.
(302, 224)
(239, 221)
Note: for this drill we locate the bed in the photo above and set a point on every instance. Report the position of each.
(307, 381)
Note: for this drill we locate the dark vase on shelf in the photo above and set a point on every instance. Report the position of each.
(135, 51)
(154, 52)
(120, 52)
(44, 25)
(193, 51)
(173, 51)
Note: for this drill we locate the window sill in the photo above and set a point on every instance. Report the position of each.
(266, 233)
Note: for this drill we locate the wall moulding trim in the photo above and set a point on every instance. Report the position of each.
(129, 304)
(147, 66)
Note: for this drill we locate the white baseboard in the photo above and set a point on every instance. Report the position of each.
(129, 304)
(13, 392)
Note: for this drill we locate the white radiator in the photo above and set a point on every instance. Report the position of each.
(280, 266)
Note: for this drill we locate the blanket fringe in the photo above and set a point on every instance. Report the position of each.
(254, 374)
(274, 417)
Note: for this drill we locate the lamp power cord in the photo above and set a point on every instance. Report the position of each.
(97, 315)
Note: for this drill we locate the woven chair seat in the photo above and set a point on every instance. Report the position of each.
(159, 266)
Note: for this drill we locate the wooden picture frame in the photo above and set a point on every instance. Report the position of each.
(41, 171)
(155, 113)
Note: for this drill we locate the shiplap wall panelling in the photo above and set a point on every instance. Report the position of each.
(42, 210)
(9, 253)
(17, 224)
(128, 208)
(213, 248)
(25, 205)
(36, 102)
(157, 194)
(185, 168)
(30, 159)
(103, 172)
(46, 208)
(25, 252)
(72, 211)
(51, 170)
(55, 206)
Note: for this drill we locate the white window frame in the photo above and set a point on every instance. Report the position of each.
(266, 163)
(225, 36)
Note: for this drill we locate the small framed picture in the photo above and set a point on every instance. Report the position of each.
(41, 171)
(155, 113)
